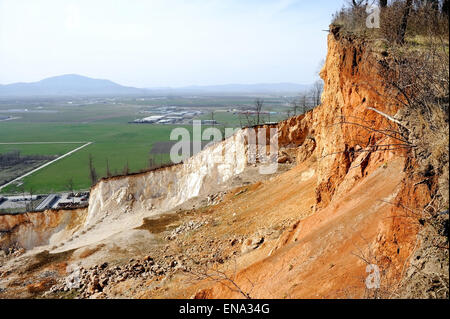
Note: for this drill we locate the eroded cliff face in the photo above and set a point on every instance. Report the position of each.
(39, 228)
(367, 198)
(168, 187)
(343, 130)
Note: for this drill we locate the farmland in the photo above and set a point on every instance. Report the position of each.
(104, 122)
(117, 143)
(24, 158)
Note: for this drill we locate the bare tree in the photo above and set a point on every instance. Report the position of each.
(288, 113)
(30, 190)
(248, 119)
(22, 190)
(126, 169)
(404, 23)
(299, 105)
(435, 5)
(214, 274)
(70, 187)
(259, 103)
(445, 7)
(92, 172)
(317, 92)
(108, 171)
(253, 117)
(357, 3)
(151, 162)
(303, 101)
(295, 106)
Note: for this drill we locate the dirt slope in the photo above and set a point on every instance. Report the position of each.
(366, 199)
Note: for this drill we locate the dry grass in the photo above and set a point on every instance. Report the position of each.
(90, 251)
(45, 258)
(422, 20)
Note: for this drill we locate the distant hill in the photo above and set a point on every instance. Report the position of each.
(67, 85)
(77, 85)
(238, 88)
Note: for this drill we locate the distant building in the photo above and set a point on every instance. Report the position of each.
(167, 115)
(175, 118)
(209, 122)
(150, 119)
(166, 121)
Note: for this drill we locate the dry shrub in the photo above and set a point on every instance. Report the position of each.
(391, 18)
(423, 19)
(41, 286)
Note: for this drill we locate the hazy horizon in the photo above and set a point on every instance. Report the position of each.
(158, 87)
(170, 43)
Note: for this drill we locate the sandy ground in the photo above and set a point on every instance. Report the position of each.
(139, 234)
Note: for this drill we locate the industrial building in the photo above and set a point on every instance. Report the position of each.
(168, 115)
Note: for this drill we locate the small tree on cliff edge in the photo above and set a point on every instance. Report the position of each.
(30, 190)
(295, 106)
(126, 169)
(108, 171)
(92, 172)
(70, 186)
(317, 92)
(258, 108)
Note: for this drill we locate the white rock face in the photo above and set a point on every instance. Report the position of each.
(166, 188)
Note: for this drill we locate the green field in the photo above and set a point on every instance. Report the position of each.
(105, 123)
(117, 143)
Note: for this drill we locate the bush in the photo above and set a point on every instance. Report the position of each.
(423, 19)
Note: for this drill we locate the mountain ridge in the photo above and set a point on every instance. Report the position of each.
(74, 84)
(67, 84)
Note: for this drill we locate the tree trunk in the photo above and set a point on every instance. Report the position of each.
(404, 23)
(445, 7)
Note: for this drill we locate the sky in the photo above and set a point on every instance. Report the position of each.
(160, 43)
